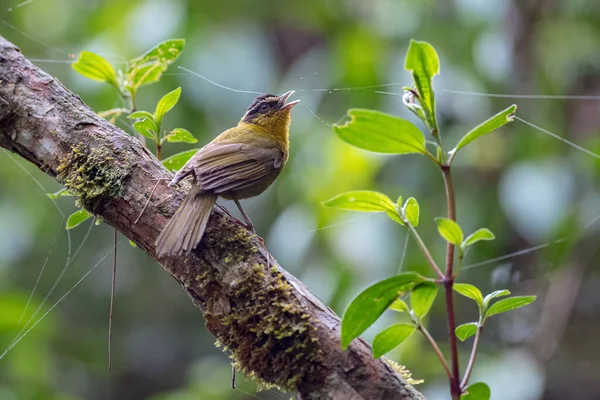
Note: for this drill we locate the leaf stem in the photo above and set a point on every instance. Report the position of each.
(424, 249)
(158, 149)
(432, 157)
(132, 101)
(471, 363)
(436, 135)
(455, 389)
(436, 348)
(130, 98)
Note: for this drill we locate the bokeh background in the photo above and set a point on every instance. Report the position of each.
(528, 188)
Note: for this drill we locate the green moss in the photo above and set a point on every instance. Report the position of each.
(92, 175)
(269, 334)
(232, 243)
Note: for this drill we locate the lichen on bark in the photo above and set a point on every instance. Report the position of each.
(255, 315)
(92, 175)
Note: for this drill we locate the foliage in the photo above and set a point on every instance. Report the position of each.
(77, 218)
(150, 124)
(140, 71)
(349, 46)
(422, 61)
(375, 131)
(477, 391)
(368, 306)
(495, 122)
(378, 132)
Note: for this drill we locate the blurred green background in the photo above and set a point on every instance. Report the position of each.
(527, 187)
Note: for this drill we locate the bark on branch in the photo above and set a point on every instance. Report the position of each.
(275, 328)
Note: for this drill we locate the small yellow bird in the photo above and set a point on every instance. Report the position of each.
(239, 163)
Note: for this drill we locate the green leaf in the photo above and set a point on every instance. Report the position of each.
(163, 53)
(479, 234)
(141, 115)
(498, 120)
(166, 103)
(469, 291)
(399, 306)
(422, 60)
(493, 295)
(477, 391)
(149, 67)
(394, 217)
(368, 306)
(512, 303)
(180, 135)
(382, 133)
(449, 230)
(146, 127)
(176, 161)
(61, 193)
(94, 66)
(362, 200)
(388, 339)
(77, 218)
(465, 331)
(144, 75)
(411, 211)
(422, 297)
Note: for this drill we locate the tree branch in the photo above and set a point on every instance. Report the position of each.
(273, 326)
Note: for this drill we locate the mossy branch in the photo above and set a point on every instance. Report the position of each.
(274, 328)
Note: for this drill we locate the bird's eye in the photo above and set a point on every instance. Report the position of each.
(264, 107)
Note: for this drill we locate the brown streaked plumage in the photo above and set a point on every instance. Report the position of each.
(239, 163)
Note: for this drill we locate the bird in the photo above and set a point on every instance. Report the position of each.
(240, 163)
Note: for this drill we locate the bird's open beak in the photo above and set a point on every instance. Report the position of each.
(283, 98)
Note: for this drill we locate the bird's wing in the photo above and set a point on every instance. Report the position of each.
(224, 167)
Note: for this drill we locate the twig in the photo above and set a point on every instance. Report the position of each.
(146, 205)
(471, 363)
(424, 249)
(436, 348)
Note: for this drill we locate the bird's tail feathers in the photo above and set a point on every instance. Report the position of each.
(184, 231)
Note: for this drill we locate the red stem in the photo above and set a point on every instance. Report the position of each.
(448, 283)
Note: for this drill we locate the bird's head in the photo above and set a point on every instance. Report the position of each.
(270, 112)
